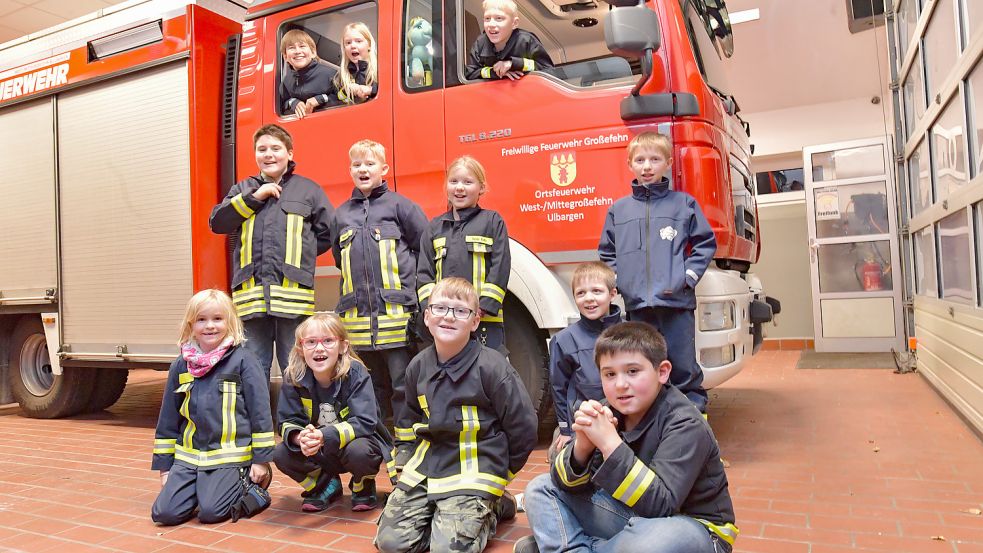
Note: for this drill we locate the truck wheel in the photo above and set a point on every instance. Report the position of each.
(40, 393)
(108, 387)
(528, 354)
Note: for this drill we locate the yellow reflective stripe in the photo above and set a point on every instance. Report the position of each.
(246, 242)
(308, 406)
(344, 412)
(346, 270)
(295, 229)
(561, 471)
(263, 439)
(360, 340)
(410, 475)
(163, 446)
(405, 434)
(395, 320)
(310, 481)
(291, 291)
(484, 482)
(486, 72)
(510, 476)
(249, 291)
(228, 415)
(391, 465)
(189, 429)
(214, 457)
(240, 206)
(422, 399)
(418, 426)
(469, 439)
(293, 308)
(391, 339)
(528, 65)
(384, 264)
(629, 484)
(493, 318)
(728, 532)
(250, 308)
(492, 291)
(424, 292)
(288, 426)
(359, 485)
(345, 433)
(185, 378)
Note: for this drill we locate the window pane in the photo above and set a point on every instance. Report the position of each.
(713, 67)
(864, 266)
(975, 92)
(941, 43)
(914, 95)
(849, 163)
(924, 252)
(907, 18)
(974, 9)
(854, 210)
(920, 179)
(954, 253)
(419, 45)
(784, 180)
(949, 147)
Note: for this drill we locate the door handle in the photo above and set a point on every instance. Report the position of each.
(813, 249)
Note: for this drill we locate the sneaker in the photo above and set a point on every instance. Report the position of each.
(505, 507)
(403, 455)
(365, 500)
(319, 501)
(526, 544)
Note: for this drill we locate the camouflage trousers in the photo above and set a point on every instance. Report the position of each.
(411, 523)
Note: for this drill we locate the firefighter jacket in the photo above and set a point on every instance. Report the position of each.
(312, 81)
(473, 421)
(344, 411)
(523, 49)
(573, 374)
(475, 248)
(220, 419)
(279, 241)
(669, 464)
(360, 71)
(659, 244)
(377, 240)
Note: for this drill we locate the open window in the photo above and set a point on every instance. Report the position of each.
(326, 29)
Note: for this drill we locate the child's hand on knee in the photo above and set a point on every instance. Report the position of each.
(258, 472)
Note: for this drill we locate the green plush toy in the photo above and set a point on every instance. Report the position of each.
(419, 48)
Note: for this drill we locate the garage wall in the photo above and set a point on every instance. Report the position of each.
(784, 263)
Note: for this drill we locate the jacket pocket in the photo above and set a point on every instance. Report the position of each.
(401, 296)
(479, 244)
(346, 302)
(297, 208)
(628, 235)
(302, 276)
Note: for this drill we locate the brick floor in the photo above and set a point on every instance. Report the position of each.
(820, 461)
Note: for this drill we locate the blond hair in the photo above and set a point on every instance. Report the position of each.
(294, 36)
(504, 5)
(222, 300)
(456, 288)
(653, 140)
(330, 325)
(593, 271)
(363, 148)
(344, 81)
(471, 165)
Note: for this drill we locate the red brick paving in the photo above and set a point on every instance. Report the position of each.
(820, 461)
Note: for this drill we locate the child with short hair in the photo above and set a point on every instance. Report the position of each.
(504, 51)
(201, 461)
(660, 244)
(376, 242)
(329, 418)
(284, 223)
(475, 427)
(307, 83)
(468, 242)
(357, 80)
(643, 472)
(573, 374)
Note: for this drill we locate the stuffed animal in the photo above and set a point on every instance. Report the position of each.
(419, 48)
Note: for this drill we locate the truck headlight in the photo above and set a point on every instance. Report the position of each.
(717, 315)
(717, 357)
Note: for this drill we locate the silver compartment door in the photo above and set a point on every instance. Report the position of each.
(125, 214)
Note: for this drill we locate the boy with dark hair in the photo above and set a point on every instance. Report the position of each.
(643, 472)
(660, 244)
(474, 426)
(504, 51)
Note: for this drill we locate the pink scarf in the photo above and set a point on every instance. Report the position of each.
(199, 362)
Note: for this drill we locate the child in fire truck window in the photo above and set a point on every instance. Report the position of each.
(376, 243)
(468, 242)
(214, 385)
(643, 472)
(329, 418)
(504, 51)
(474, 428)
(284, 222)
(659, 244)
(357, 80)
(306, 85)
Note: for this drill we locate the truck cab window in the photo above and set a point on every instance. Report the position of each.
(572, 32)
(343, 70)
(702, 28)
(421, 53)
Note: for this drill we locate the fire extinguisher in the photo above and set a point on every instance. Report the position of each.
(871, 272)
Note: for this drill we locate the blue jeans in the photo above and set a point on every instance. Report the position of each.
(569, 522)
(263, 332)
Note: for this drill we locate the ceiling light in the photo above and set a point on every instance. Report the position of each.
(744, 16)
(129, 39)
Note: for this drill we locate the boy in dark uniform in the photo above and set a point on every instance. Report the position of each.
(643, 472)
(474, 426)
(307, 83)
(504, 51)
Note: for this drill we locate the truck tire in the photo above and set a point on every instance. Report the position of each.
(107, 389)
(528, 354)
(40, 393)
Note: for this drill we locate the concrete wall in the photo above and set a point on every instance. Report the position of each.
(784, 263)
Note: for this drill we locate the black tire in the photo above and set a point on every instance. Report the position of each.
(528, 354)
(40, 393)
(108, 387)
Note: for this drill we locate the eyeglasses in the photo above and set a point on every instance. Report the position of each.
(442, 310)
(311, 343)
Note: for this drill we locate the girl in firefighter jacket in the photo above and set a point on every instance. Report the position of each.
(329, 419)
(357, 81)
(283, 222)
(215, 422)
(471, 243)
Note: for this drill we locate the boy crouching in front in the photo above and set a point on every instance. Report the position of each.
(474, 427)
(647, 456)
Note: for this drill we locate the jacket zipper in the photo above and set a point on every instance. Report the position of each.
(648, 264)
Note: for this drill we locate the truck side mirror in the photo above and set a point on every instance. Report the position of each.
(632, 31)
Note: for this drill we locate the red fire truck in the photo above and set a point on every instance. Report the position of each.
(126, 127)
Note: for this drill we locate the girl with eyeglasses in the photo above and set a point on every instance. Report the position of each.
(329, 419)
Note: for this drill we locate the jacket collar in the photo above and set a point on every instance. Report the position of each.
(456, 366)
(303, 71)
(283, 178)
(376, 192)
(612, 318)
(646, 192)
(356, 68)
(465, 214)
(650, 416)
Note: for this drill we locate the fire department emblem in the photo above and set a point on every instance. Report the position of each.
(667, 233)
(563, 168)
